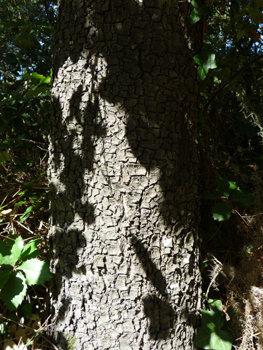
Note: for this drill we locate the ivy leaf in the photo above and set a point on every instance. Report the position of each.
(206, 60)
(221, 211)
(36, 271)
(14, 291)
(199, 10)
(195, 16)
(4, 156)
(221, 340)
(210, 335)
(16, 250)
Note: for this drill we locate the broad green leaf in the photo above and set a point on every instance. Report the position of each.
(195, 16)
(218, 340)
(202, 339)
(5, 254)
(14, 291)
(221, 211)
(33, 76)
(214, 318)
(199, 10)
(16, 250)
(6, 144)
(30, 250)
(37, 76)
(42, 79)
(206, 60)
(215, 305)
(36, 271)
(221, 340)
(210, 335)
(4, 156)
(232, 185)
(4, 275)
(36, 91)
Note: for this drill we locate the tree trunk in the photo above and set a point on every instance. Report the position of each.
(124, 176)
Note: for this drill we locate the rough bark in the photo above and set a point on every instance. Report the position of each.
(124, 176)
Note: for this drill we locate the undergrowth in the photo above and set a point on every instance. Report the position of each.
(24, 321)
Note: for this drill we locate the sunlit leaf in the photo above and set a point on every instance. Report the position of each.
(16, 249)
(30, 249)
(36, 271)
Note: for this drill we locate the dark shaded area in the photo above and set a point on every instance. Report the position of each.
(160, 313)
(161, 316)
(153, 273)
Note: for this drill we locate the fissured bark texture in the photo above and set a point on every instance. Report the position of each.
(123, 176)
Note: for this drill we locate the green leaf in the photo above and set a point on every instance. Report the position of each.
(5, 252)
(26, 213)
(215, 305)
(30, 250)
(17, 205)
(206, 60)
(199, 10)
(26, 115)
(195, 16)
(212, 319)
(36, 271)
(232, 185)
(36, 91)
(33, 76)
(210, 335)
(221, 211)
(4, 275)
(6, 144)
(14, 291)
(16, 250)
(218, 340)
(4, 156)
(22, 192)
(202, 339)
(221, 340)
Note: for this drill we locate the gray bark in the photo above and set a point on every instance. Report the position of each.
(123, 176)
